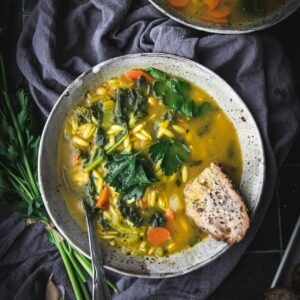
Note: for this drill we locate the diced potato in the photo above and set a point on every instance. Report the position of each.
(175, 203)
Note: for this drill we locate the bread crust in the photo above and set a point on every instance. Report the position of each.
(216, 206)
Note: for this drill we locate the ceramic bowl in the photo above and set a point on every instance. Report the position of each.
(249, 136)
(282, 12)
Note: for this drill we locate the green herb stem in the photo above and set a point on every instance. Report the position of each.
(83, 288)
(77, 268)
(88, 267)
(117, 144)
(68, 265)
(84, 262)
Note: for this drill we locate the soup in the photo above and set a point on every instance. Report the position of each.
(227, 12)
(130, 147)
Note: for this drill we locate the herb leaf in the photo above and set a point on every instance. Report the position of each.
(155, 73)
(174, 94)
(173, 154)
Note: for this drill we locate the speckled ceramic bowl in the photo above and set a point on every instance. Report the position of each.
(251, 144)
(282, 12)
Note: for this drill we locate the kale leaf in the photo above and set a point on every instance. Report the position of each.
(130, 212)
(129, 174)
(130, 102)
(96, 110)
(100, 137)
(84, 114)
(89, 192)
(102, 221)
(157, 219)
(172, 152)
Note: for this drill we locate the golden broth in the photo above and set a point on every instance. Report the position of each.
(211, 138)
(235, 15)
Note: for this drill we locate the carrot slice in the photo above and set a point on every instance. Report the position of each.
(142, 203)
(134, 74)
(208, 18)
(158, 235)
(179, 3)
(212, 4)
(221, 12)
(103, 198)
(169, 214)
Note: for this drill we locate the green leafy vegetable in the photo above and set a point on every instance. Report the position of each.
(90, 193)
(82, 115)
(174, 93)
(155, 73)
(129, 102)
(173, 154)
(157, 219)
(193, 110)
(141, 82)
(86, 114)
(129, 174)
(96, 110)
(176, 85)
(100, 137)
(130, 212)
(102, 221)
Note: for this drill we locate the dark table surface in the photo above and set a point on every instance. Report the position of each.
(255, 271)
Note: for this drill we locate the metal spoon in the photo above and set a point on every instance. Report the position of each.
(100, 288)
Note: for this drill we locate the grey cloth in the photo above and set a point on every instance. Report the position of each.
(27, 259)
(62, 39)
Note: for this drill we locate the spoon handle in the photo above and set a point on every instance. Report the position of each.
(100, 288)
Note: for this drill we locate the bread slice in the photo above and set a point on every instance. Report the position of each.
(216, 206)
(282, 294)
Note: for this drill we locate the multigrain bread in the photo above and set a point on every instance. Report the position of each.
(216, 206)
(282, 294)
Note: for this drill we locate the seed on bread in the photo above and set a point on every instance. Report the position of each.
(216, 206)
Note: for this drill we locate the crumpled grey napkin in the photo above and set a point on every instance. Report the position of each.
(64, 38)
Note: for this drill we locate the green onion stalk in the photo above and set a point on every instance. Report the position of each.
(18, 177)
